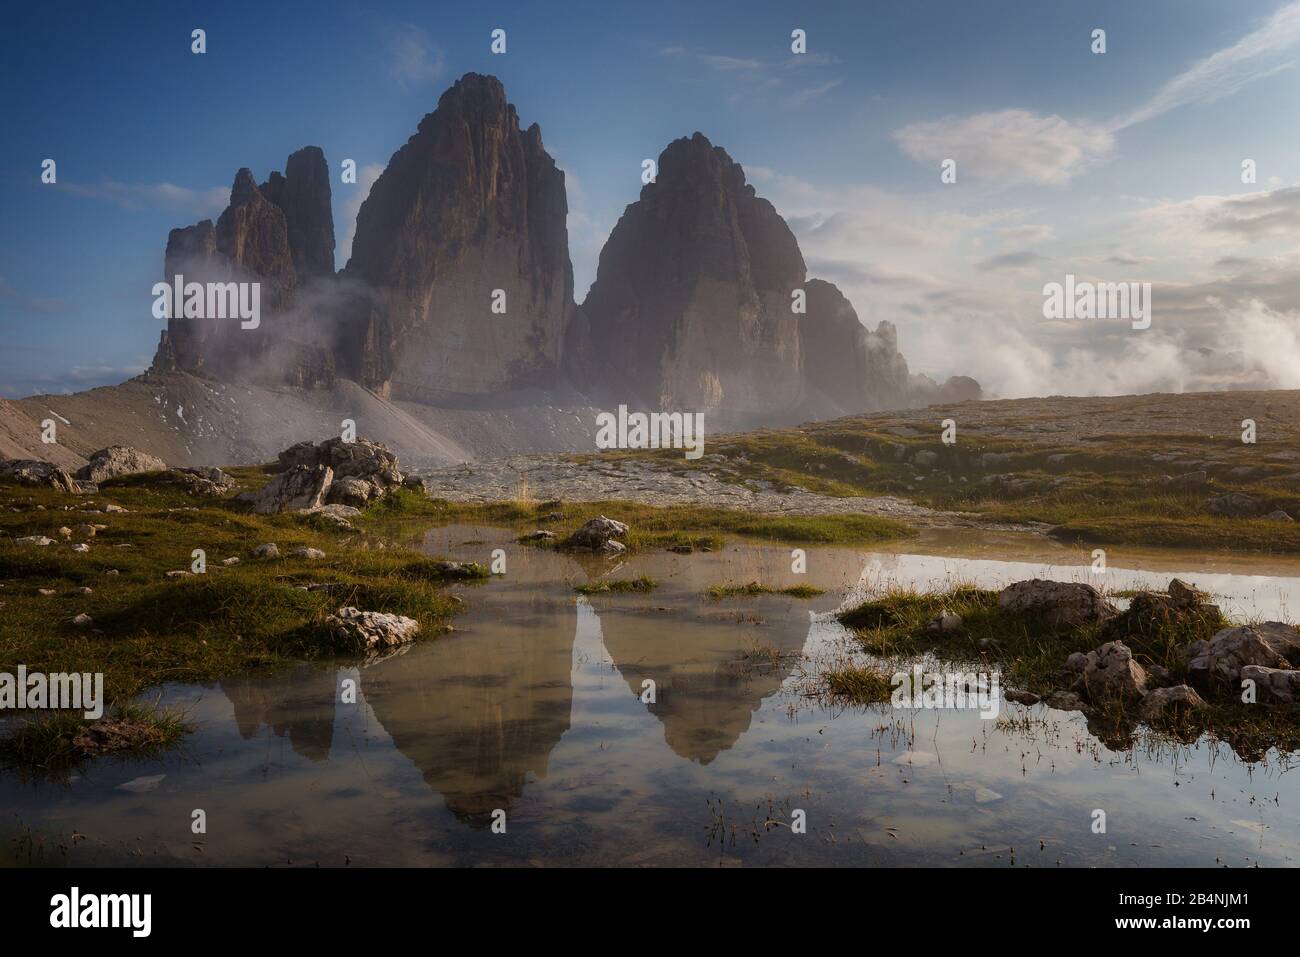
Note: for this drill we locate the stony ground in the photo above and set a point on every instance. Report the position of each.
(1159, 470)
(547, 477)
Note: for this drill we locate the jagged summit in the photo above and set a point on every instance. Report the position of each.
(471, 210)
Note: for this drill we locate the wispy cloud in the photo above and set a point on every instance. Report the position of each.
(805, 96)
(1021, 146)
(728, 64)
(1224, 73)
(201, 202)
(760, 75)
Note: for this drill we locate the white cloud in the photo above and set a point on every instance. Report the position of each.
(1008, 145)
(1018, 145)
(965, 289)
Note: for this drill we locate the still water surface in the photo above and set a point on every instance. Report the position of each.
(533, 706)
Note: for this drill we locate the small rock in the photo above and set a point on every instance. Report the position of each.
(1177, 698)
(361, 630)
(118, 460)
(1233, 505)
(233, 560)
(267, 550)
(180, 574)
(1064, 701)
(1220, 660)
(34, 540)
(1278, 515)
(307, 552)
(1111, 673)
(83, 620)
(1273, 685)
(34, 473)
(300, 488)
(81, 547)
(1056, 603)
(352, 491)
(1184, 595)
(1021, 697)
(598, 535)
(945, 622)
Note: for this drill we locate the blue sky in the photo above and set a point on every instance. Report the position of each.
(1120, 166)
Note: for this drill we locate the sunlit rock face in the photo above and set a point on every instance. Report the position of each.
(470, 212)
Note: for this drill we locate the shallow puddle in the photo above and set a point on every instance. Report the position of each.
(534, 707)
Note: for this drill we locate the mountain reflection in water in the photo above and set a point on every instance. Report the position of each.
(534, 706)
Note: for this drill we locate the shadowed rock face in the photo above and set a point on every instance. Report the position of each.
(858, 370)
(253, 236)
(277, 235)
(471, 204)
(691, 308)
(303, 195)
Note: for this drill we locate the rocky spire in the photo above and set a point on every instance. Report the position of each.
(691, 308)
(470, 212)
(251, 242)
(303, 195)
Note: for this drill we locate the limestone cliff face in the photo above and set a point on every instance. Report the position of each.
(278, 235)
(691, 307)
(469, 206)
